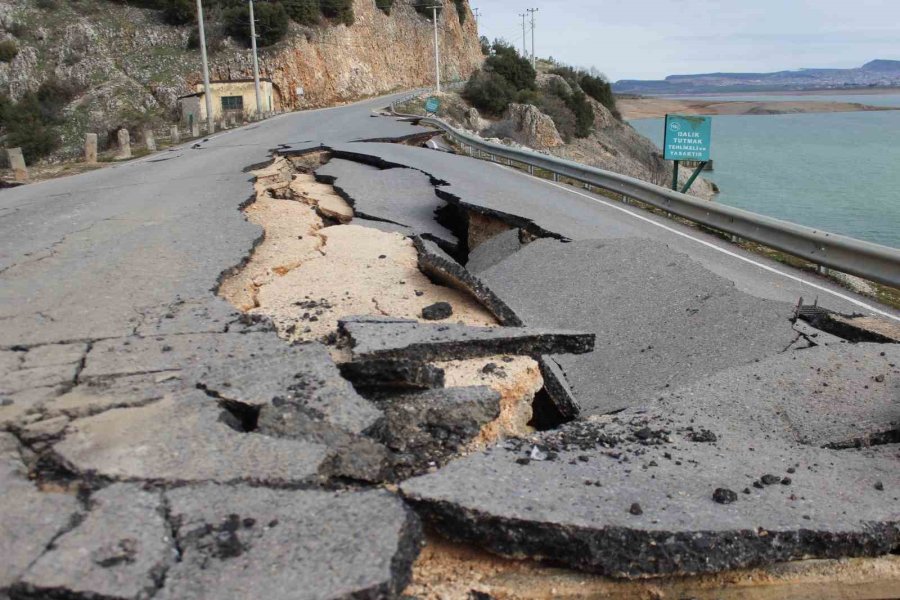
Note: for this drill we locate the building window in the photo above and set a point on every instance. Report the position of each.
(233, 103)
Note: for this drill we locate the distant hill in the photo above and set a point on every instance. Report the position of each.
(877, 73)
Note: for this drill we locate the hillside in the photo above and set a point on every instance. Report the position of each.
(877, 73)
(552, 112)
(125, 66)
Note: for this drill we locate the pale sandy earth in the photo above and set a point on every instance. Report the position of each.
(650, 108)
(306, 275)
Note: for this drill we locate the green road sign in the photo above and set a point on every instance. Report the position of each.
(687, 138)
(432, 105)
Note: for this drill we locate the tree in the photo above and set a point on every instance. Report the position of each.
(304, 12)
(485, 45)
(599, 89)
(517, 70)
(489, 92)
(179, 12)
(339, 10)
(271, 23)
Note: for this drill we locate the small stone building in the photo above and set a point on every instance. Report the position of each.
(235, 97)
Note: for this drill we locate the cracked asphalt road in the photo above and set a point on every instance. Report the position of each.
(109, 320)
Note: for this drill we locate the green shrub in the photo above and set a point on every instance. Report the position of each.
(46, 4)
(556, 108)
(8, 50)
(304, 12)
(52, 97)
(600, 90)
(485, 45)
(489, 92)
(461, 11)
(584, 113)
(384, 6)
(179, 12)
(423, 7)
(339, 10)
(31, 123)
(506, 62)
(271, 23)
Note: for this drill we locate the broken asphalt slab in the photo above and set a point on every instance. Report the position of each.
(661, 319)
(122, 549)
(264, 368)
(651, 492)
(401, 196)
(441, 267)
(308, 544)
(428, 428)
(840, 396)
(184, 438)
(30, 519)
(373, 339)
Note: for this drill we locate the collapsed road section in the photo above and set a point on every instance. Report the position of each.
(411, 387)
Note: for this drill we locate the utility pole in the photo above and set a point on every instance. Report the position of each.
(206, 90)
(533, 59)
(437, 50)
(477, 13)
(524, 43)
(255, 61)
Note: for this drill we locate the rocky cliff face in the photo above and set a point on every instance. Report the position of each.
(130, 67)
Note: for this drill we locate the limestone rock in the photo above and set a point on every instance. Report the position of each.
(531, 127)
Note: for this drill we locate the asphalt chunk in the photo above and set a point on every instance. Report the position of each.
(424, 341)
(513, 506)
(393, 374)
(439, 311)
(310, 544)
(661, 318)
(183, 438)
(122, 549)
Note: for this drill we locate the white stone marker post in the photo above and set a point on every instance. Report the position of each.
(90, 148)
(195, 129)
(124, 145)
(17, 163)
(150, 140)
(175, 135)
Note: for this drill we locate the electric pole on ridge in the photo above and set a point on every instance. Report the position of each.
(255, 61)
(206, 90)
(524, 43)
(533, 59)
(437, 49)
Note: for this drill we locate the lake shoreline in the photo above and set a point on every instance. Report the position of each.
(657, 107)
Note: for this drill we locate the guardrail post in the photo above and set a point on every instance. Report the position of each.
(822, 270)
(556, 177)
(90, 148)
(124, 139)
(17, 164)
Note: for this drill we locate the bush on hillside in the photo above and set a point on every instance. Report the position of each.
(584, 113)
(384, 6)
(489, 92)
(271, 23)
(304, 12)
(423, 7)
(461, 11)
(556, 108)
(31, 123)
(600, 90)
(485, 45)
(339, 10)
(8, 50)
(506, 62)
(179, 12)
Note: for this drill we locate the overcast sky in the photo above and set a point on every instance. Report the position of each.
(649, 39)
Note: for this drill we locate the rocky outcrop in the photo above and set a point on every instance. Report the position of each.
(130, 67)
(531, 127)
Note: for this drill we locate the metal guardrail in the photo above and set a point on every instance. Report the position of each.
(841, 253)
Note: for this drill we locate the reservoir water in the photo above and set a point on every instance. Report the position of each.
(839, 172)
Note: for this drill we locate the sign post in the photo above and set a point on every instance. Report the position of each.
(687, 138)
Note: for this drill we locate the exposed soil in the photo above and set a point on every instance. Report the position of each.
(652, 108)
